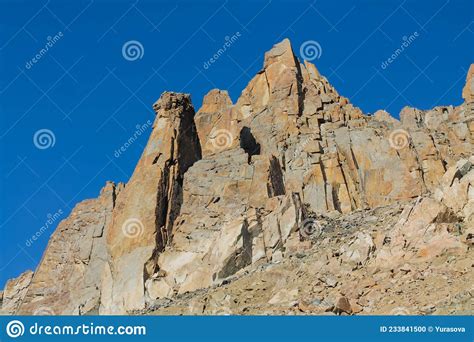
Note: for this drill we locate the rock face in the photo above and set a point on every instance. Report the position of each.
(67, 280)
(146, 210)
(433, 225)
(14, 292)
(220, 193)
(410, 257)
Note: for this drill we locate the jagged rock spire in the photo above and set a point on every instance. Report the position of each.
(147, 207)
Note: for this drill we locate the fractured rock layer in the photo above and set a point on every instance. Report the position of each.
(232, 187)
(147, 208)
(67, 280)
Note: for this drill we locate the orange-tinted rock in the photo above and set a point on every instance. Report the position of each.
(147, 208)
(67, 280)
(230, 187)
(14, 293)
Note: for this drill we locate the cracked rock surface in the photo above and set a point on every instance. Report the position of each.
(289, 201)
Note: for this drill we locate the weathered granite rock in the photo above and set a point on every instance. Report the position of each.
(433, 225)
(222, 224)
(67, 280)
(231, 187)
(343, 306)
(358, 250)
(14, 293)
(320, 279)
(147, 208)
(217, 128)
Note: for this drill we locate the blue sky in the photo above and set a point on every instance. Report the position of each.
(90, 98)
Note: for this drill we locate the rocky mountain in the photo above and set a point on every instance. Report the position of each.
(291, 200)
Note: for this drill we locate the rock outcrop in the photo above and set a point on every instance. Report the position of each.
(223, 192)
(434, 225)
(146, 210)
(67, 280)
(14, 292)
(406, 258)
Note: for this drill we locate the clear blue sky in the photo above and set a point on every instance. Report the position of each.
(85, 92)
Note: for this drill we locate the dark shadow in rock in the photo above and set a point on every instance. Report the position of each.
(248, 143)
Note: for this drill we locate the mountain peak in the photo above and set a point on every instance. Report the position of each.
(172, 101)
(286, 170)
(281, 52)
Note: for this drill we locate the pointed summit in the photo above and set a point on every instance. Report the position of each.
(214, 101)
(281, 52)
(214, 120)
(149, 204)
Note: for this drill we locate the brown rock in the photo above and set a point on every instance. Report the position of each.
(147, 208)
(343, 305)
(14, 293)
(218, 193)
(67, 279)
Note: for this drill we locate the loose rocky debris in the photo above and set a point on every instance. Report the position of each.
(325, 277)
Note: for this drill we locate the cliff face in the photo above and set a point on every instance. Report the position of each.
(238, 185)
(143, 222)
(68, 277)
